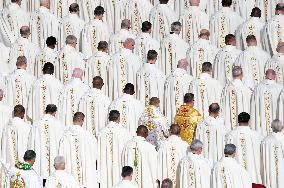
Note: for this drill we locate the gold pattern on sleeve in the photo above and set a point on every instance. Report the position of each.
(47, 147)
(243, 151)
(189, 27)
(201, 57)
(267, 111)
(233, 106)
(94, 40)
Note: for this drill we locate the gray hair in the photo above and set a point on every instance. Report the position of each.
(71, 39)
(129, 40)
(21, 60)
(183, 63)
(59, 161)
(276, 125)
(230, 149)
(176, 26)
(196, 145)
(44, 1)
(237, 71)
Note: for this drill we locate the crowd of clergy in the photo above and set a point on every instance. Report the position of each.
(141, 93)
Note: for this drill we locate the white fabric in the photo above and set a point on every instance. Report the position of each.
(170, 153)
(264, 106)
(114, 13)
(267, 8)
(277, 64)
(125, 184)
(130, 111)
(244, 8)
(211, 132)
(111, 141)
(87, 8)
(5, 115)
(79, 148)
(142, 157)
(94, 104)
(44, 140)
(206, 91)
(61, 178)
(60, 7)
(4, 58)
(247, 142)
(116, 40)
(280, 107)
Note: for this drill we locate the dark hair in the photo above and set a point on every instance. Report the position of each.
(206, 67)
(214, 108)
(51, 108)
(99, 10)
(146, 26)
(229, 38)
(152, 55)
(113, 115)
(226, 3)
(102, 45)
(250, 38)
(175, 129)
(279, 7)
(243, 117)
(230, 149)
(29, 155)
(126, 171)
(19, 109)
(167, 183)
(50, 41)
(48, 68)
(188, 97)
(78, 116)
(129, 89)
(255, 12)
(74, 7)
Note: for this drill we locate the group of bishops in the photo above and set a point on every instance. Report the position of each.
(103, 93)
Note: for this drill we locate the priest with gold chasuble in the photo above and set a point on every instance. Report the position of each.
(188, 118)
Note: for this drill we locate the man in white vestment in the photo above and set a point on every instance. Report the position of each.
(70, 96)
(60, 8)
(162, 16)
(228, 172)
(273, 32)
(235, 98)
(23, 47)
(173, 48)
(95, 105)
(145, 42)
(117, 39)
(264, 103)
(201, 51)
(142, 157)
(98, 65)
(277, 63)
(206, 89)
(194, 170)
(272, 158)
(211, 131)
(243, 8)
(19, 83)
(44, 140)
(4, 58)
(45, 90)
(87, 8)
(252, 61)
(5, 114)
(48, 54)
(130, 108)
(111, 141)
(193, 20)
(72, 24)
(126, 182)
(123, 68)
(115, 12)
(150, 80)
(60, 178)
(156, 123)
(94, 32)
(248, 143)
(224, 22)
(171, 151)
(22, 174)
(79, 148)
(268, 8)
(43, 24)
(225, 60)
(176, 86)
(12, 19)
(69, 59)
(253, 26)
(15, 137)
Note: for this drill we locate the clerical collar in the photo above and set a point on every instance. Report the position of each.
(205, 75)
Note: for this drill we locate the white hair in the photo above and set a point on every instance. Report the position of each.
(196, 145)
(277, 126)
(58, 161)
(44, 1)
(71, 39)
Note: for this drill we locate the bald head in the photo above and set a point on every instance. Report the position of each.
(129, 44)
(204, 34)
(175, 129)
(125, 24)
(98, 82)
(142, 131)
(25, 31)
(194, 2)
(155, 101)
(270, 74)
(280, 47)
(182, 64)
(78, 73)
(45, 3)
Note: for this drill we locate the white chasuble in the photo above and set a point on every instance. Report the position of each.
(111, 141)
(211, 132)
(122, 70)
(264, 106)
(150, 83)
(280, 107)
(116, 40)
(194, 171)
(171, 151)
(244, 7)
(60, 178)
(44, 140)
(6, 113)
(267, 8)
(247, 142)
(229, 173)
(114, 13)
(79, 148)
(60, 7)
(206, 91)
(44, 91)
(235, 98)
(4, 58)
(193, 20)
(87, 8)
(272, 160)
(252, 61)
(173, 49)
(277, 64)
(198, 53)
(94, 104)
(223, 23)
(130, 110)
(15, 140)
(142, 157)
(176, 86)
(224, 62)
